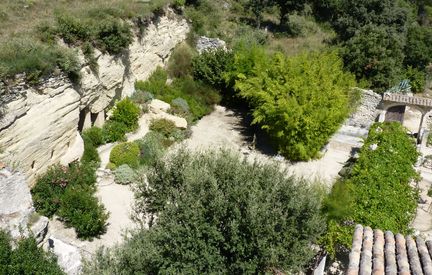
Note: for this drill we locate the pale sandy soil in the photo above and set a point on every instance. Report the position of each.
(225, 129)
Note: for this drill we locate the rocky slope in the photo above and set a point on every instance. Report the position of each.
(40, 123)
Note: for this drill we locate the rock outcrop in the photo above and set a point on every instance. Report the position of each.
(68, 256)
(208, 44)
(40, 123)
(17, 214)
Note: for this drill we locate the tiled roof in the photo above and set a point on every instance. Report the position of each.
(406, 99)
(375, 252)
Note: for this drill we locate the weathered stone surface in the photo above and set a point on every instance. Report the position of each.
(16, 204)
(68, 256)
(157, 106)
(39, 125)
(206, 44)
(46, 124)
(74, 151)
(39, 229)
(366, 112)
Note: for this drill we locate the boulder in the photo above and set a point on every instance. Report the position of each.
(68, 256)
(16, 204)
(208, 44)
(158, 106)
(39, 229)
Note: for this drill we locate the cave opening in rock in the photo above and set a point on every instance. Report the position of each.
(82, 117)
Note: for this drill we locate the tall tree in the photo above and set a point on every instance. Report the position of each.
(257, 7)
(288, 6)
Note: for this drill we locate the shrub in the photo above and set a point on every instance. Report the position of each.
(124, 174)
(50, 187)
(71, 29)
(36, 60)
(113, 35)
(114, 131)
(82, 211)
(26, 258)
(210, 66)
(111, 166)
(155, 84)
(377, 191)
(126, 112)
(48, 190)
(152, 147)
(180, 62)
(5, 252)
(125, 153)
(417, 79)
(300, 101)
(90, 152)
(163, 126)
(219, 213)
(199, 96)
(67, 192)
(94, 135)
(141, 97)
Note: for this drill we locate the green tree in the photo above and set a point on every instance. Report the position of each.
(288, 6)
(219, 214)
(375, 53)
(353, 15)
(299, 101)
(126, 112)
(257, 7)
(418, 49)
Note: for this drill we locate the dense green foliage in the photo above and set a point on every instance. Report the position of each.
(152, 147)
(26, 258)
(211, 66)
(124, 119)
(299, 101)
(180, 62)
(127, 113)
(125, 153)
(68, 193)
(163, 126)
(95, 135)
(81, 210)
(36, 60)
(377, 191)
(218, 213)
(199, 97)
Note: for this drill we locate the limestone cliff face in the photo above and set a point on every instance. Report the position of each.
(40, 124)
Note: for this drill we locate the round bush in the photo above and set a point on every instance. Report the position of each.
(84, 212)
(95, 135)
(124, 174)
(114, 131)
(164, 126)
(128, 113)
(152, 147)
(125, 153)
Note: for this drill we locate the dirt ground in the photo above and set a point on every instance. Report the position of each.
(225, 128)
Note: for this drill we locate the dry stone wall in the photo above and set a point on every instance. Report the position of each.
(40, 124)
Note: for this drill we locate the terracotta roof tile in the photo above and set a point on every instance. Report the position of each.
(378, 253)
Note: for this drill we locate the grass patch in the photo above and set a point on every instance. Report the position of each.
(36, 60)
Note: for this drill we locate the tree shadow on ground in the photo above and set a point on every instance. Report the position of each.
(254, 137)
